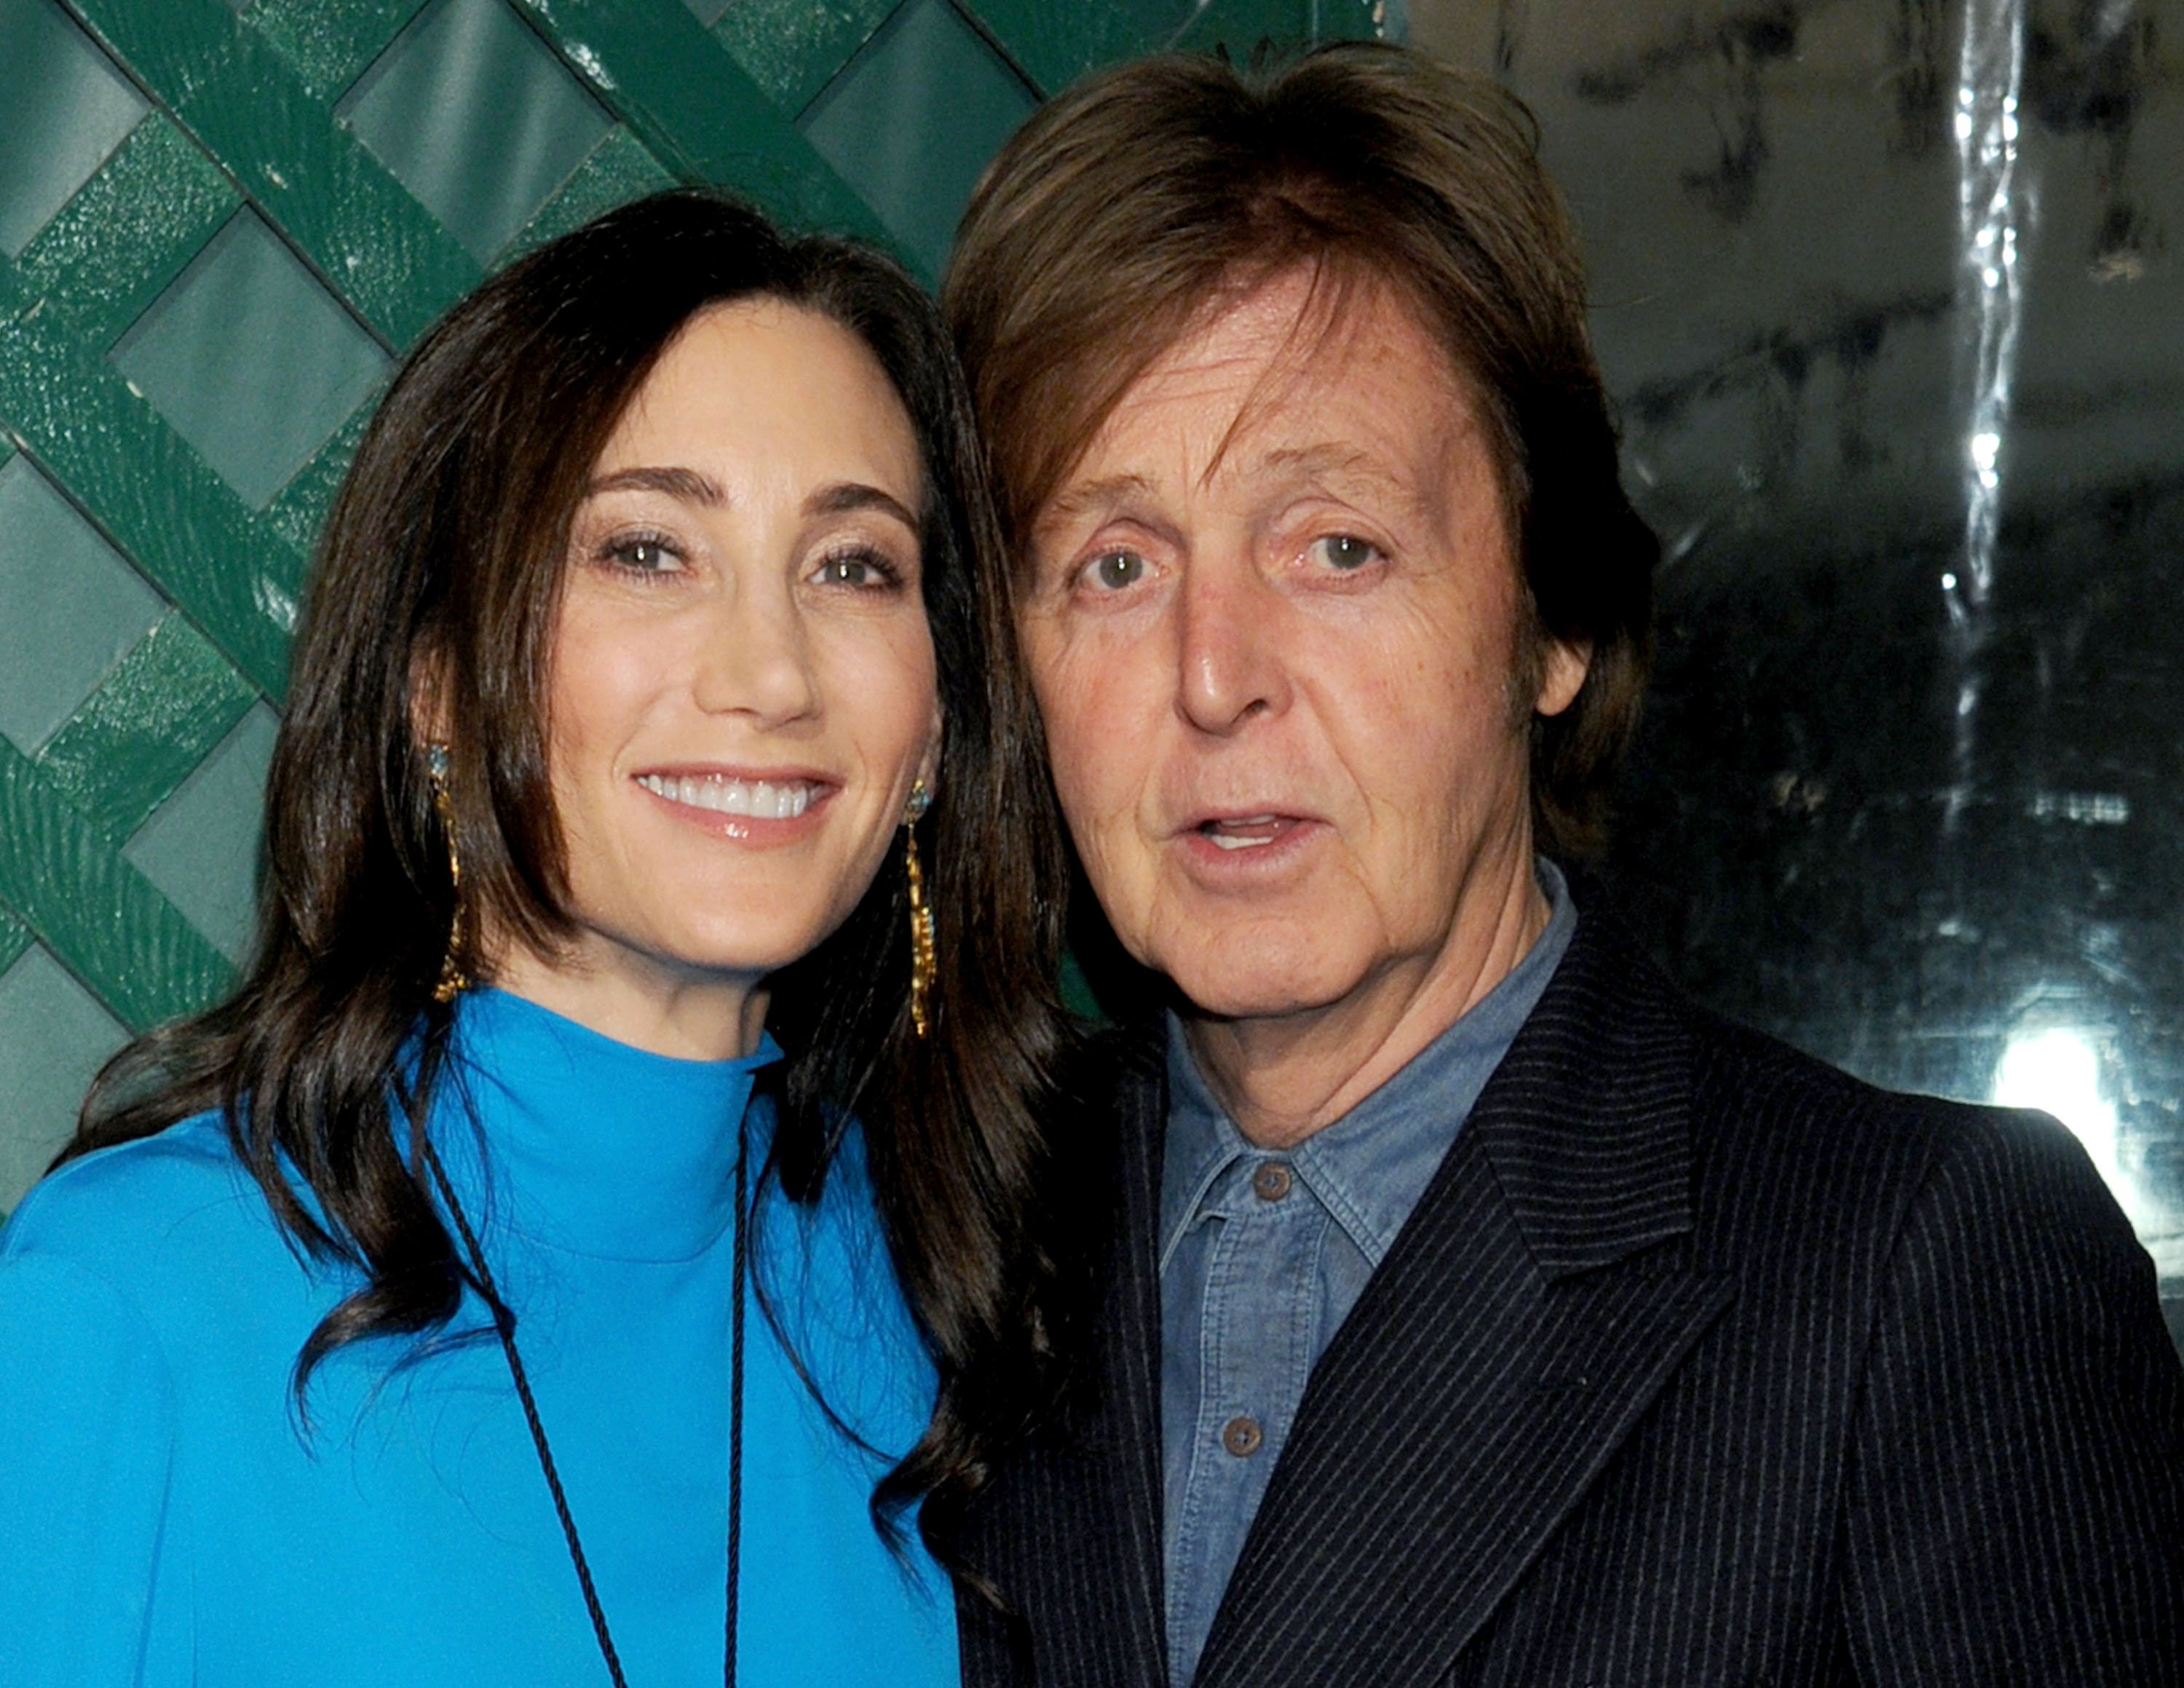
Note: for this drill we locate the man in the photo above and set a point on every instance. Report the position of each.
(1472, 1309)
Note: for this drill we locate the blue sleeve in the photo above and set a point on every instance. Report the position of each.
(86, 1450)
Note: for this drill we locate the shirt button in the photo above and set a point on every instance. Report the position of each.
(1271, 1182)
(1241, 1436)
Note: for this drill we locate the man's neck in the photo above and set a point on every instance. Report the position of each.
(1283, 1078)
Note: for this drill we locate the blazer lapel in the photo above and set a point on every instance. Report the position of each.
(1070, 1530)
(1532, 1307)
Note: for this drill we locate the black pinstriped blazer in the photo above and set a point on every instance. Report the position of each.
(1698, 1362)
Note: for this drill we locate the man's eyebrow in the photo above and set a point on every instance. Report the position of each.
(686, 484)
(843, 496)
(1330, 459)
(1103, 494)
(1340, 465)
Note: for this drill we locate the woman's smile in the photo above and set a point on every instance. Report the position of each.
(744, 689)
(749, 808)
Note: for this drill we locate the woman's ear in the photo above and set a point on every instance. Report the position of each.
(928, 765)
(429, 715)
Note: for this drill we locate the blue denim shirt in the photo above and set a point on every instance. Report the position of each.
(1264, 1254)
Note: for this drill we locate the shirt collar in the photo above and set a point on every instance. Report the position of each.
(1369, 1167)
(586, 1144)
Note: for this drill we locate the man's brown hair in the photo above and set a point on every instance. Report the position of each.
(1152, 194)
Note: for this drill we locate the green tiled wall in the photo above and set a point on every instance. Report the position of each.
(221, 222)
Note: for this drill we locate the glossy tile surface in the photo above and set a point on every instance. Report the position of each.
(1892, 297)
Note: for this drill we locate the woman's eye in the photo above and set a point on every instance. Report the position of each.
(1116, 570)
(1344, 553)
(862, 568)
(642, 553)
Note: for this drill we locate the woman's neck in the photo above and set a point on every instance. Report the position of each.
(689, 1014)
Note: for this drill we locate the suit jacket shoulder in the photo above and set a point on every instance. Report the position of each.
(1698, 1361)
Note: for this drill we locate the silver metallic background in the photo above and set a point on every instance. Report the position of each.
(1890, 294)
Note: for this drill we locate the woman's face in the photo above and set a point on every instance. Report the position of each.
(742, 689)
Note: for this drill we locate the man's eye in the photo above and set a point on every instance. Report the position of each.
(1116, 570)
(1344, 553)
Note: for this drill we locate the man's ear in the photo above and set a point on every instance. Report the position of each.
(1562, 675)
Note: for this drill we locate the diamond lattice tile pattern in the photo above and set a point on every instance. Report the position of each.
(243, 211)
(73, 607)
(875, 125)
(53, 1038)
(201, 847)
(252, 361)
(64, 109)
(476, 116)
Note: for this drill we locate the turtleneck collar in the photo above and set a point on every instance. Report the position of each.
(591, 1146)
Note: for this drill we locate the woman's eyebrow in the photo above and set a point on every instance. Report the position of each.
(845, 496)
(686, 484)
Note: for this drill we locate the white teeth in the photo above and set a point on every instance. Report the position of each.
(1244, 832)
(759, 799)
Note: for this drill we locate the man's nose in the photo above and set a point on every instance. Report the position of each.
(756, 658)
(1231, 665)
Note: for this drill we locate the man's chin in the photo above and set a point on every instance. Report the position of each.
(1268, 991)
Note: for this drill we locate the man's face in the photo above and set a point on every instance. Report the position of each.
(1274, 633)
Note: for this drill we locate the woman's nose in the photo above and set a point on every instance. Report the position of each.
(756, 657)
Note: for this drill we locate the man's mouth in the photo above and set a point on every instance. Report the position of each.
(757, 800)
(1245, 832)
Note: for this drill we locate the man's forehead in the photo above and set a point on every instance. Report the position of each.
(1296, 380)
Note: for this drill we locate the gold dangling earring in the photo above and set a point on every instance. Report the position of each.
(923, 971)
(452, 981)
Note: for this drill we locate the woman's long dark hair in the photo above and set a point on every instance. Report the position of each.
(443, 556)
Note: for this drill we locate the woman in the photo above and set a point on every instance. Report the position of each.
(436, 1310)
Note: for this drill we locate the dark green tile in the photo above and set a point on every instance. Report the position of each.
(53, 1038)
(251, 359)
(14, 938)
(62, 876)
(620, 170)
(793, 48)
(697, 110)
(129, 232)
(475, 115)
(1242, 27)
(158, 715)
(912, 123)
(245, 103)
(200, 848)
(329, 45)
(64, 109)
(182, 525)
(74, 606)
(1056, 44)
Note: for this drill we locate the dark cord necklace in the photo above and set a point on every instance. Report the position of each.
(503, 1324)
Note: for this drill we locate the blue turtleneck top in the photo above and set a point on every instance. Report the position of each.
(167, 1517)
